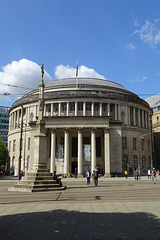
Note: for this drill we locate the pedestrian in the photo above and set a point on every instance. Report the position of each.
(125, 173)
(137, 174)
(149, 174)
(76, 173)
(95, 176)
(88, 175)
(134, 174)
(154, 175)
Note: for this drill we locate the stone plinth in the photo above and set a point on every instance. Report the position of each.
(38, 181)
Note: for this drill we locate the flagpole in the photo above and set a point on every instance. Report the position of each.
(77, 74)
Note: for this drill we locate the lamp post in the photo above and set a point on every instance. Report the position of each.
(20, 150)
(151, 149)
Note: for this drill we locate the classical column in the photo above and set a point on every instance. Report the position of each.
(92, 109)
(93, 149)
(139, 118)
(59, 110)
(84, 109)
(80, 155)
(67, 108)
(76, 108)
(53, 151)
(107, 152)
(66, 151)
(51, 109)
(142, 118)
(115, 111)
(18, 122)
(134, 116)
(100, 109)
(129, 116)
(108, 109)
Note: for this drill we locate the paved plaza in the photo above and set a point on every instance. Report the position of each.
(117, 209)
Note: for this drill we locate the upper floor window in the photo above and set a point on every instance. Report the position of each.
(72, 107)
(96, 107)
(88, 106)
(124, 143)
(29, 143)
(14, 145)
(142, 144)
(134, 143)
(80, 106)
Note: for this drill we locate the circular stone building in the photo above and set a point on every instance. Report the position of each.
(88, 122)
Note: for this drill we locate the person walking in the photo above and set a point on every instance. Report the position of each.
(88, 175)
(125, 173)
(137, 174)
(95, 176)
(154, 175)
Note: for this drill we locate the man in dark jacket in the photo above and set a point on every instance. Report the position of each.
(95, 176)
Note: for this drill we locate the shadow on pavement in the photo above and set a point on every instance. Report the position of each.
(69, 225)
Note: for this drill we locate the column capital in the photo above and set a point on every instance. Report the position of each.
(53, 130)
(106, 130)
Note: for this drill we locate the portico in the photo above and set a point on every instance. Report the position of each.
(71, 138)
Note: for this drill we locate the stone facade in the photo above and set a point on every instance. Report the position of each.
(94, 122)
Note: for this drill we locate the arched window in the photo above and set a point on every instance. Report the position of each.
(124, 162)
(135, 161)
(143, 162)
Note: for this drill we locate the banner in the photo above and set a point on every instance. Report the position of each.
(87, 152)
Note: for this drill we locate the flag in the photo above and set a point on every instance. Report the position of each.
(77, 69)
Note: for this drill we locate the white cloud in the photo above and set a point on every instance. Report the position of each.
(62, 71)
(149, 33)
(131, 46)
(23, 73)
(139, 79)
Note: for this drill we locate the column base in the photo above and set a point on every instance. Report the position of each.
(107, 175)
(80, 175)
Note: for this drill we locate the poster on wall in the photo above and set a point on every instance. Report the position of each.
(59, 152)
(87, 152)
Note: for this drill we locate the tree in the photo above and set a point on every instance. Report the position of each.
(3, 153)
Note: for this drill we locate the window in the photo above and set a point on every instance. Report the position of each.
(65, 107)
(80, 106)
(96, 107)
(29, 143)
(134, 143)
(88, 106)
(135, 161)
(14, 145)
(9, 149)
(98, 146)
(74, 147)
(72, 107)
(124, 162)
(124, 143)
(142, 144)
(143, 162)
(104, 107)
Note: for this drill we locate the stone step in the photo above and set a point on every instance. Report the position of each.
(36, 190)
(37, 178)
(35, 181)
(29, 186)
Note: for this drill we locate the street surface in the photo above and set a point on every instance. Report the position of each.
(117, 209)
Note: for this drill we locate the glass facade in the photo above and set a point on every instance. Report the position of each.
(4, 123)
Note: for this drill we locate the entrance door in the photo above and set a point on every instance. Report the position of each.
(73, 166)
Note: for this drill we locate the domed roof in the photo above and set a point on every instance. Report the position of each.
(83, 81)
(81, 88)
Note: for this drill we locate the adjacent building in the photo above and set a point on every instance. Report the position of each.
(88, 122)
(4, 124)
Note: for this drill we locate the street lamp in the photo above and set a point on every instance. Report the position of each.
(151, 149)
(20, 150)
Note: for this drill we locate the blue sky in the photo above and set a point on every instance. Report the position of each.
(118, 40)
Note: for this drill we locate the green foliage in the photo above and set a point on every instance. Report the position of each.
(3, 153)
